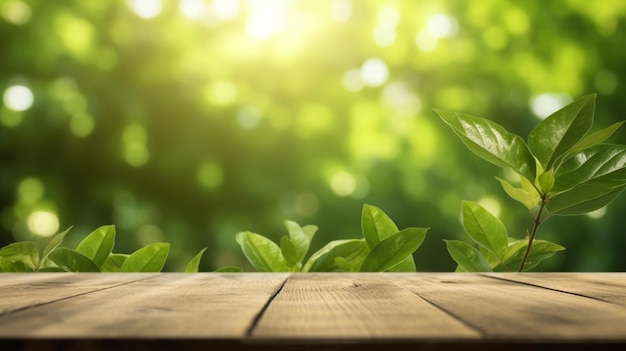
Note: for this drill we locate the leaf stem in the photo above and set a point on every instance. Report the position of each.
(536, 223)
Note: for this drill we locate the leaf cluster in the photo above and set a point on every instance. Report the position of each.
(93, 254)
(563, 169)
(382, 248)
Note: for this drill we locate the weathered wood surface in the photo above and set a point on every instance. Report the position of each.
(287, 309)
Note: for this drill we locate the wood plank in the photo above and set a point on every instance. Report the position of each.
(21, 290)
(165, 305)
(610, 287)
(353, 306)
(514, 311)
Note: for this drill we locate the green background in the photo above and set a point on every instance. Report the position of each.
(189, 121)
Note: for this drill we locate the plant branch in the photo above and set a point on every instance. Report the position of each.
(536, 223)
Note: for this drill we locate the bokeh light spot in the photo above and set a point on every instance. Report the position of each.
(605, 82)
(16, 12)
(192, 9)
(18, 98)
(426, 42)
(374, 72)
(145, 9)
(227, 9)
(210, 175)
(249, 117)
(306, 204)
(82, 125)
(135, 138)
(30, 190)
(341, 10)
(352, 80)
(265, 17)
(43, 223)
(221, 93)
(543, 105)
(442, 26)
(343, 183)
(148, 234)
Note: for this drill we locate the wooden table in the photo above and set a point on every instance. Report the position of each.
(327, 311)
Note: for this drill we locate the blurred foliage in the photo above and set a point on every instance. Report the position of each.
(189, 121)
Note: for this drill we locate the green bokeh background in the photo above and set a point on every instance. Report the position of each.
(188, 121)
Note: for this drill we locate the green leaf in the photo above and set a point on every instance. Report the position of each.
(604, 163)
(528, 199)
(492, 142)
(23, 251)
(467, 256)
(263, 254)
(584, 198)
(301, 238)
(9, 266)
(288, 250)
(376, 225)
(546, 181)
(393, 250)
(594, 138)
(562, 130)
(97, 246)
(484, 228)
(150, 258)
(72, 261)
(194, 263)
(53, 244)
(228, 269)
(114, 262)
(54, 269)
(352, 250)
(408, 265)
(540, 250)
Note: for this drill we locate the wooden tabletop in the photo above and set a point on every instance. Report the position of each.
(312, 311)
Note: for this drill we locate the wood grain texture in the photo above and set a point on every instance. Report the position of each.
(20, 291)
(165, 305)
(354, 306)
(610, 287)
(508, 310)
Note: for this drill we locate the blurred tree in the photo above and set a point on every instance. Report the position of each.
(188, 121)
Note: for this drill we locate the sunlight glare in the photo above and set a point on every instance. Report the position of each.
(16, 12)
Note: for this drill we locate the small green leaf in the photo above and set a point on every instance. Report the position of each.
(263, 254)
(595, 138)
(228, 269)
(150, 258)
(605, 163)
(393, 250)
(562, 130)
(97, 246)
(540, 250)
(467, 256)
(352, 250)
(72, 261)
(546, 181)
(584, 198)
(408, 265)
(376, 225)
(484, 228)
(194, 263)
(528, 199)
(288, 250)
(114, 262)
(53, 244)
(492, 142)
(301, 238)
(54, 269)
(23, 251)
